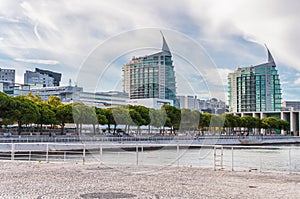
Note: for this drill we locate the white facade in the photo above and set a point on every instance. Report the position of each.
(150, 102)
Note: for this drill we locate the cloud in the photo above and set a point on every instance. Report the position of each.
(297, 81)
(38, 61)
(63, 34)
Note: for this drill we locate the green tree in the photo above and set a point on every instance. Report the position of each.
(64, 114)
(122, 116)
(45, 114)
(174, 117)
(24, 111)
(204, 122)
(157, 117)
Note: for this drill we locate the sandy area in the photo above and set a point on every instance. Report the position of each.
(71, 180)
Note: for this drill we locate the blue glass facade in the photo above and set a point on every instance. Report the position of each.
(255, 88)
(150, 76)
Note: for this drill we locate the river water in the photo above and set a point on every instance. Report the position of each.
(277, 158)
(284, 158)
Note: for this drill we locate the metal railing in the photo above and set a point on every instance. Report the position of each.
(259, 158)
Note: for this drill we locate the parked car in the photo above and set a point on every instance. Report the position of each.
(7, 134)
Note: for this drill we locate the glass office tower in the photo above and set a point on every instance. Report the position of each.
(150, 76)
(255, 88)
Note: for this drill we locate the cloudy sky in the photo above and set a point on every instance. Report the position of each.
(70, 37)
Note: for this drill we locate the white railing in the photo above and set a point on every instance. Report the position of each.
(260, 158)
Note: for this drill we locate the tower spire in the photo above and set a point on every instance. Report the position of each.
(165, 47)
(270, 57)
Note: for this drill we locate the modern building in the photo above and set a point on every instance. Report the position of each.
(42, 78)
(7, 75)
(56, 76)
(7, 79)
(69, 94)
(150, 76)
(290, 106)
(188, 102)
(255, 88)
(36, 79)
(213, 105)
(292, 117)
(154, 103)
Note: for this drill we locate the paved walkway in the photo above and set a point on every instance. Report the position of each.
(70, 180)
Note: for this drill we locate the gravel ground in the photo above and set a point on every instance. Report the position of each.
(71, 180)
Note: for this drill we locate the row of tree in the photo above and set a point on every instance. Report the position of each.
(31, 109)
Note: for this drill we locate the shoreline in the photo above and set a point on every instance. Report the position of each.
(71, 180)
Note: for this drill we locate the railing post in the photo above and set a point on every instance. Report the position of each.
(83, 154)
(101, 153)
(232, 159)
(65, 156)
(137, 155)
(12, 151)
(177, 149)
(215, 156)
(29, 156)
(142, 154)
(47, 152)
(290, 161)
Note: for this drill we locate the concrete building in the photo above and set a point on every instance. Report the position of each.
(36, 79)
(290, 106)
(188, 102)
(7, 75)
(56, 76)
(150, 76)
(213, 105)
(293, 117)
(7, 79)
(150, 102)
(255, 88)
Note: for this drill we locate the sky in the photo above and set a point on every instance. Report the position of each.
(89, 41)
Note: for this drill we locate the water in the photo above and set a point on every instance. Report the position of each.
(262, 158)
(285, 159)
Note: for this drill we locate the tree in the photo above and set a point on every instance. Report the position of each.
(204, 122)
(54, 101)
(45, 114)
(157, 117)
(83, 114)
(140, 116)
(24, 111)
(100, 113)
(189, 120)
(174, 117)
(110, 118)
(64, 114)
(122, 116)
(5, 105)
(231, 121)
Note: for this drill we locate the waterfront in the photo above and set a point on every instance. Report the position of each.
(260, 158)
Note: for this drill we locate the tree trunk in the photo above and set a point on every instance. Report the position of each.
(62, 128)
(94, 129)
(19, 127)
